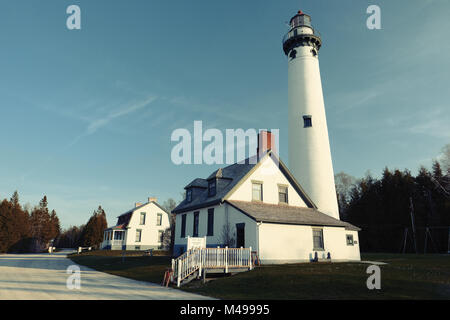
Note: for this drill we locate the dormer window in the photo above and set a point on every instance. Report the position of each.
(212, 188)
(189, 195)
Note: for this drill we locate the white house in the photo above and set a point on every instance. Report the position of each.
(265, 208)
(140, 228)
(260, 203)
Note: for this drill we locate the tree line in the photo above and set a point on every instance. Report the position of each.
(399, 212)
(86, 235)
(25, 230)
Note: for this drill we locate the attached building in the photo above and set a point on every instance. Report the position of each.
(259, 204)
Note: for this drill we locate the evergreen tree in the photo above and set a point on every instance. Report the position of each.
(93, 231)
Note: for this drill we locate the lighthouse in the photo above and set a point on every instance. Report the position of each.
(309, 147)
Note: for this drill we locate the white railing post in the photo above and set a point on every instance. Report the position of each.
(199, 262)
(226, 259)
(240, 257)
(179, 273)
(250, 262)
(217, 256)
(173, 270)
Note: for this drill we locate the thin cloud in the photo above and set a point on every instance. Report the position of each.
(96, 124)
(431, 122)
(218, 110)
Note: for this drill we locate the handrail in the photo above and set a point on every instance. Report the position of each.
(290, 33)
(200, 258)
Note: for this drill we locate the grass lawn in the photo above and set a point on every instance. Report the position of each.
(404, 277)
(134, 266)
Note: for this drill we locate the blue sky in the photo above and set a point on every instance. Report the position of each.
(86, 116)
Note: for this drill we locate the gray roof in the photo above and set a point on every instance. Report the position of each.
(286, 214)
(198, 183)
(231, 176)
(143, 205)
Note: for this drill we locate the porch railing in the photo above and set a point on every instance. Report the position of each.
(112, 243)
(210, 258)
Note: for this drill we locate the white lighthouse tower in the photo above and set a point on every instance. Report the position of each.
(309, 146)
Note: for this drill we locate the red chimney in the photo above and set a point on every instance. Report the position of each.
(266, 142)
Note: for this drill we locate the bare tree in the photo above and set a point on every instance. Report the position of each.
(167, 239)
(445, 159)
(344, 184)
(169, 205)
(228, 237)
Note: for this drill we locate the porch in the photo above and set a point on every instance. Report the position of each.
(197, 262)
(113, 239)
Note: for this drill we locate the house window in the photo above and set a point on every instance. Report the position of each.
(195, 231)
(159, 219)
(307, 121)
(183, 226)
(137, 248)
(212, 188)
(210, 222)
(349, 239)
(189, 195)
(138, 235)
(118, 235)
(142, 218)
(257, 189)
(160, 236)
(283, 194)
(318, 239)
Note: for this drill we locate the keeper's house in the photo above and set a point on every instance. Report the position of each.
(140, 228)
(262, 206)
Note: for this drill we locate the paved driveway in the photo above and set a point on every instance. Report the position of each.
(44, 277)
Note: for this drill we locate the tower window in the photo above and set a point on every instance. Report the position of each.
(293, 54)
(307, 121)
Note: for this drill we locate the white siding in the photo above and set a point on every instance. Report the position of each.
(270, 175)
(309, 148)
(293, 243)
(150, 231)
(220, 212)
